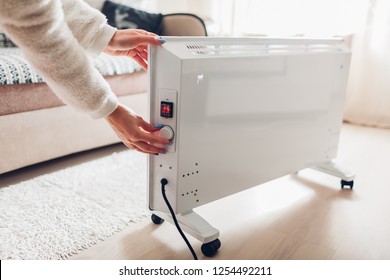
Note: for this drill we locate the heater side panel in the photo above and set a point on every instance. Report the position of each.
(246, 121)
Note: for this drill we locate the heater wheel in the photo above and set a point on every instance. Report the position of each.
(211, 248)
(156, 219)
(346, 183)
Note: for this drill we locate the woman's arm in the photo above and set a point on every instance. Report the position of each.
(39, 29)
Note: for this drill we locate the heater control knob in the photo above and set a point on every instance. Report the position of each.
(167, 132)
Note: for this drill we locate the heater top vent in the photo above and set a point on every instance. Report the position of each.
(204, 49)
(196, 47)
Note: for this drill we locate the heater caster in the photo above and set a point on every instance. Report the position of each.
(346, 183)
(156, 219)
(211, 248)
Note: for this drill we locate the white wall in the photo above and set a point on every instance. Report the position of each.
(218, 14)
(186, 6)
(273, 17)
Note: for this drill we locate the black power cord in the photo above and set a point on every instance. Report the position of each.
(164, 182)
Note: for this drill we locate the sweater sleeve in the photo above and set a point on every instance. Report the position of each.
(88, 25)
(38, 27)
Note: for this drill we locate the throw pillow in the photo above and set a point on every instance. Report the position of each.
(124, 17)
(5, 42)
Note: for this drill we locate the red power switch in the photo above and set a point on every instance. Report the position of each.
(166, 109)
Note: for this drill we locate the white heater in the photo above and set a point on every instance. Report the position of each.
(241, 112)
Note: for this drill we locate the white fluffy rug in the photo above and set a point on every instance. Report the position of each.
(58, 214)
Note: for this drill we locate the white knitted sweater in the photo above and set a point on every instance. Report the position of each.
(55, 37)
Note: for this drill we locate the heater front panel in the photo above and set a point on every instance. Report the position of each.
(249, 121)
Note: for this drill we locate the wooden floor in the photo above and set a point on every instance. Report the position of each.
(303, 216)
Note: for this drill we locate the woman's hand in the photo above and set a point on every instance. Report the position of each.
(134, 132)
(133, 43)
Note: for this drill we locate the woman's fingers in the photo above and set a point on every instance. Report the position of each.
(147, 148)
(140, 61)
(134, 132)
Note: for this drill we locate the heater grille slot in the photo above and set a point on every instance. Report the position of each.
(250, 49)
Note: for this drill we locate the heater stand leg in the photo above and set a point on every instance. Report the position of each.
(193, 224)
(196, 226)
(334, 169)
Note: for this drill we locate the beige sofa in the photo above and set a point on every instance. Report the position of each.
(36, 126)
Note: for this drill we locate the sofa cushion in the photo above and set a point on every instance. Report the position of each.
(14, 69)
(37, 96)
(22, 89)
